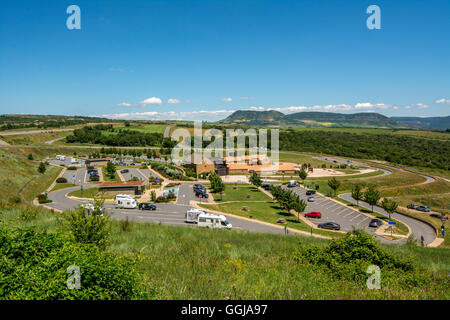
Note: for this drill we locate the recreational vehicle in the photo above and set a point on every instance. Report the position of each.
(125, 203)
(192, 215)
(61, 157)
(213, 221)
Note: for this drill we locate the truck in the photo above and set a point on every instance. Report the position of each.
(213, 221)
(192, 215)
(125, 202)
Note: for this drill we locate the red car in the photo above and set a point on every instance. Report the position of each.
(313, 214)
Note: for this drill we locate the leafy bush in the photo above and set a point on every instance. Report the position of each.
(61, 180)
(89, 229)
(348, 258)
(94, 178)
(72, 168)
(34, 266)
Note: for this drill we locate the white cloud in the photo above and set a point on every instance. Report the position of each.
(209, 115)
(422, 106)
(152, 100)
(173, 101)
(447, 101)
(227, 99)
(124, 104)
(247, 98)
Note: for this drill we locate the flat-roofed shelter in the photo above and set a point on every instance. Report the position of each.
(127, 187)
(97, 162)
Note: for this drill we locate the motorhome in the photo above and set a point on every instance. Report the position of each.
(61, 157)
(213, 221)
(192, 215)
(73, 160)
(292, 184)
(127, 196)
(125, 202)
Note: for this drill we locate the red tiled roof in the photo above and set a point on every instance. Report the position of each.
(122, 184)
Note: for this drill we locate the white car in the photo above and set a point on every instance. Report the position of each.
(311, 199)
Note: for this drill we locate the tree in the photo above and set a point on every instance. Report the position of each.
(303, 175)
(371, 196)
(357, 194)
(110, 169)
(334, 184)
(30, 157)
(255, 179)
(298, 206)
(389, 205)
(41, 168)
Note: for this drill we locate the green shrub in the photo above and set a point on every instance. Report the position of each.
(61, 180)
(72, 168)
(94, 178)
(34, 266)
(89, 229)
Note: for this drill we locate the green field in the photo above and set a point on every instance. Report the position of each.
(241, 192)
(60, 186)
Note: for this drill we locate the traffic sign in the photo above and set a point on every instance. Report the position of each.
(392, 223)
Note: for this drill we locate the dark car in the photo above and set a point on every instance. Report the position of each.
(266, 186)
(375, 223)
(201, 194)
(124, 171)
(310, 192)
(423, 208)
(147, 206)
(199, 189)
(438, 216)
(329, 225)
(412, 206)
(313, 214)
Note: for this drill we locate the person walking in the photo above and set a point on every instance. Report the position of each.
(422, 240)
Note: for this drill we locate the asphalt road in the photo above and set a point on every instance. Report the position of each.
(166, 213)
(418, 228)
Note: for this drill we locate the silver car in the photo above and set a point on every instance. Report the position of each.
(311, 199)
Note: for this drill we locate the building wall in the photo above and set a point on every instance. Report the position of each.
(204, 167)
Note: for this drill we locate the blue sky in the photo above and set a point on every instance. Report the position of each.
(212, 57)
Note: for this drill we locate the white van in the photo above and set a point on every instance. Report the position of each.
(73, 160)
(125, 203)
(192, 215)
(61, 158)
(292, 184)
(213, 221)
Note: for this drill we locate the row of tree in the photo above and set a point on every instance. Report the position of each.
(372, 196)
(288, 200)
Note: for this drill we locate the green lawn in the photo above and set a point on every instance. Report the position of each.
(240, 193)
(87, 193)
(60, 186)
(106, 176)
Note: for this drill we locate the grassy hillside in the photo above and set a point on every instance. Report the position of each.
(190, 263)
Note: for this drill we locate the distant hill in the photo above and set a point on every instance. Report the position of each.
(255, 118)
(312, 119)
(432, 123)
(331, 119)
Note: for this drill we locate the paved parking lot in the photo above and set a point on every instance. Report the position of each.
(333, 211)
(141, 174)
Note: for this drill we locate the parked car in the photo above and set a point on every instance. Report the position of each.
(311, 199)
(375, 223)
(423, 209)
(200, 194)
(124, 171)
(146, 206)
(266, 186)
(438, 216)
(310, 192)
(313, 214)
(412, 206)
(329, 225)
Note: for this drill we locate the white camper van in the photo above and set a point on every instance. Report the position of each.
(61, 157)
(73, 160)
(213, 221)
(192, 215)
(292, 184)
(126, 202)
